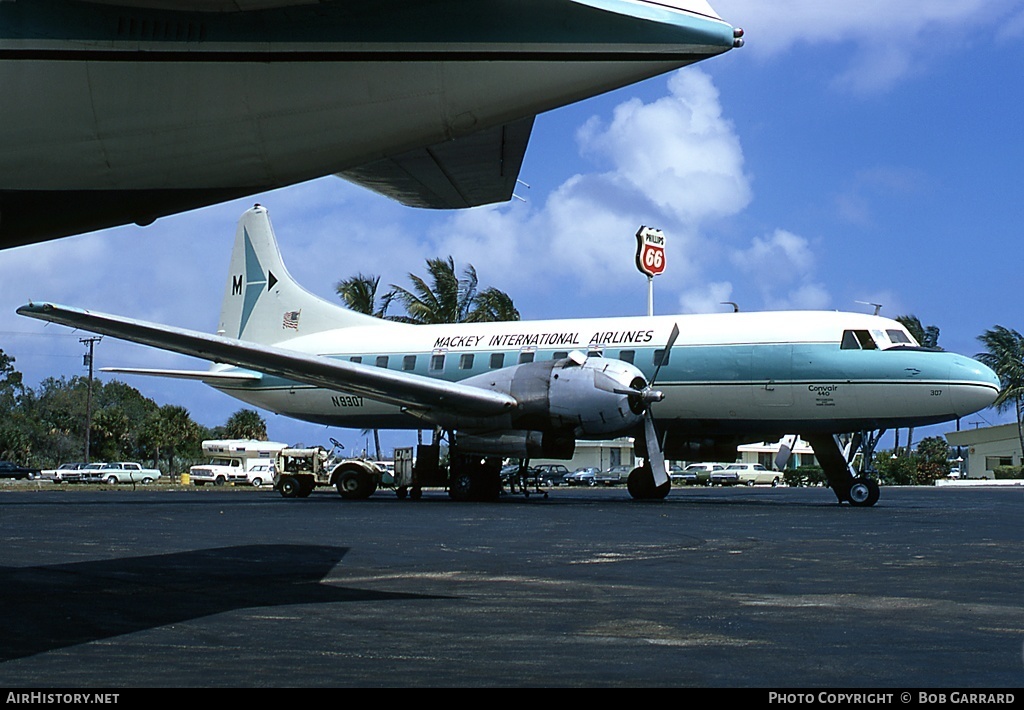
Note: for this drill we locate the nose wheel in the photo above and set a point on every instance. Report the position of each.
(863, 492)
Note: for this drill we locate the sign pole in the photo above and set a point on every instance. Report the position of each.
(650, 295)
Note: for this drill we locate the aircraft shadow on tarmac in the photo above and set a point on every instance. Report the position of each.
(54, 606)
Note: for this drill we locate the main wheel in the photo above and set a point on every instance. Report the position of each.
(864, 492)
(640, 485)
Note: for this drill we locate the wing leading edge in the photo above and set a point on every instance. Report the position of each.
(397, 388)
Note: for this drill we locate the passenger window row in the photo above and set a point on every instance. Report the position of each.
(497, 360)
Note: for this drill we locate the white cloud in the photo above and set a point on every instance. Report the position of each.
(890, 38)
(781, 268)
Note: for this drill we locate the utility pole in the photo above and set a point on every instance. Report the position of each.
(91, 344)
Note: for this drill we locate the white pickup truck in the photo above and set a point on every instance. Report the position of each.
(124, 472)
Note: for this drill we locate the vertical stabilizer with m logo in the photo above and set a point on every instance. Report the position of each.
(262, 302)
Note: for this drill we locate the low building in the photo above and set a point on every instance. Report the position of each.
(765, 452)
(599, 454)
(986, 448)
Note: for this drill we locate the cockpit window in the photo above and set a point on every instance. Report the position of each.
(858, 340)
(898, 337)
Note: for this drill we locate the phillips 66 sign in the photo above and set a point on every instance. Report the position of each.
(650, 251)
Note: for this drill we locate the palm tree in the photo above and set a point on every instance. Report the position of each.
(493, 305)
(450, 299)
(1005, 356)
(927, 336)
(359, 293)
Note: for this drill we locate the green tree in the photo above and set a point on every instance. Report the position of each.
(246, 424)
(493, 305)
(15, 442)
(1004, 354)
(932, 460)
(359, 293)
(450, 299)
(182, 436)
(927, 336)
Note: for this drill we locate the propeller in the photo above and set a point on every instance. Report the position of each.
(641, 396)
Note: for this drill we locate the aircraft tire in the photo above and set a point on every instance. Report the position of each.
(640, 485)
(864, 492)
(460, 486)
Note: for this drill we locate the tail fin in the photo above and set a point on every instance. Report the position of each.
(262, 302)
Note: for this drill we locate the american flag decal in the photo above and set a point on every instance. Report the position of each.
(291, 320)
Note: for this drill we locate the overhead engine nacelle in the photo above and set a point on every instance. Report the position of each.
(591, 397)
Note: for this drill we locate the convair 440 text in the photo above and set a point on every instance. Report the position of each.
(688, 387)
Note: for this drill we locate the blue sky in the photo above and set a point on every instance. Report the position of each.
(849, 152)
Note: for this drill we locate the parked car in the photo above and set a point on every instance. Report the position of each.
(702, 472)
(88, 473)
(13, 470)
(260, 474)
(614, 475)
(681, 477)
(584, 476)
(126, 472)
(65, 469)
(751, 473)
(550, 474)
(725, 477)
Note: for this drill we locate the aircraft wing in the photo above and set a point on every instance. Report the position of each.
(399, 388)
(206, 5)
(477, 169)
(210, 377)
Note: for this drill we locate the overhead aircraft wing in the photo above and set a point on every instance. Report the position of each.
(206, 5)
(399, 388)
(477, 169)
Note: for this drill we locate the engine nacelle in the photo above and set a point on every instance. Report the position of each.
(590, 397)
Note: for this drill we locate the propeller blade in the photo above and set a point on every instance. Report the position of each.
(668, 349)
(654, 455)
(785, 451)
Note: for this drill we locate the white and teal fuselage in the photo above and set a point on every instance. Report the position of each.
(764, 373)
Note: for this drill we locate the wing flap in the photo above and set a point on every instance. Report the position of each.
(477, 169)
(399, 388)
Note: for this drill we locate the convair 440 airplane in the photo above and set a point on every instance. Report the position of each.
(688, 386)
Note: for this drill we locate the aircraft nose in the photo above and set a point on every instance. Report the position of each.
(975, 386)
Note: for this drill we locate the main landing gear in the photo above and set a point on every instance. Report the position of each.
(640, 484)
(848, 485)
(474, 478)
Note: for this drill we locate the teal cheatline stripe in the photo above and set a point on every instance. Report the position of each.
(254, 281)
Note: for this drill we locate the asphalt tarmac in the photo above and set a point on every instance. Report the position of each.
(745, 587)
